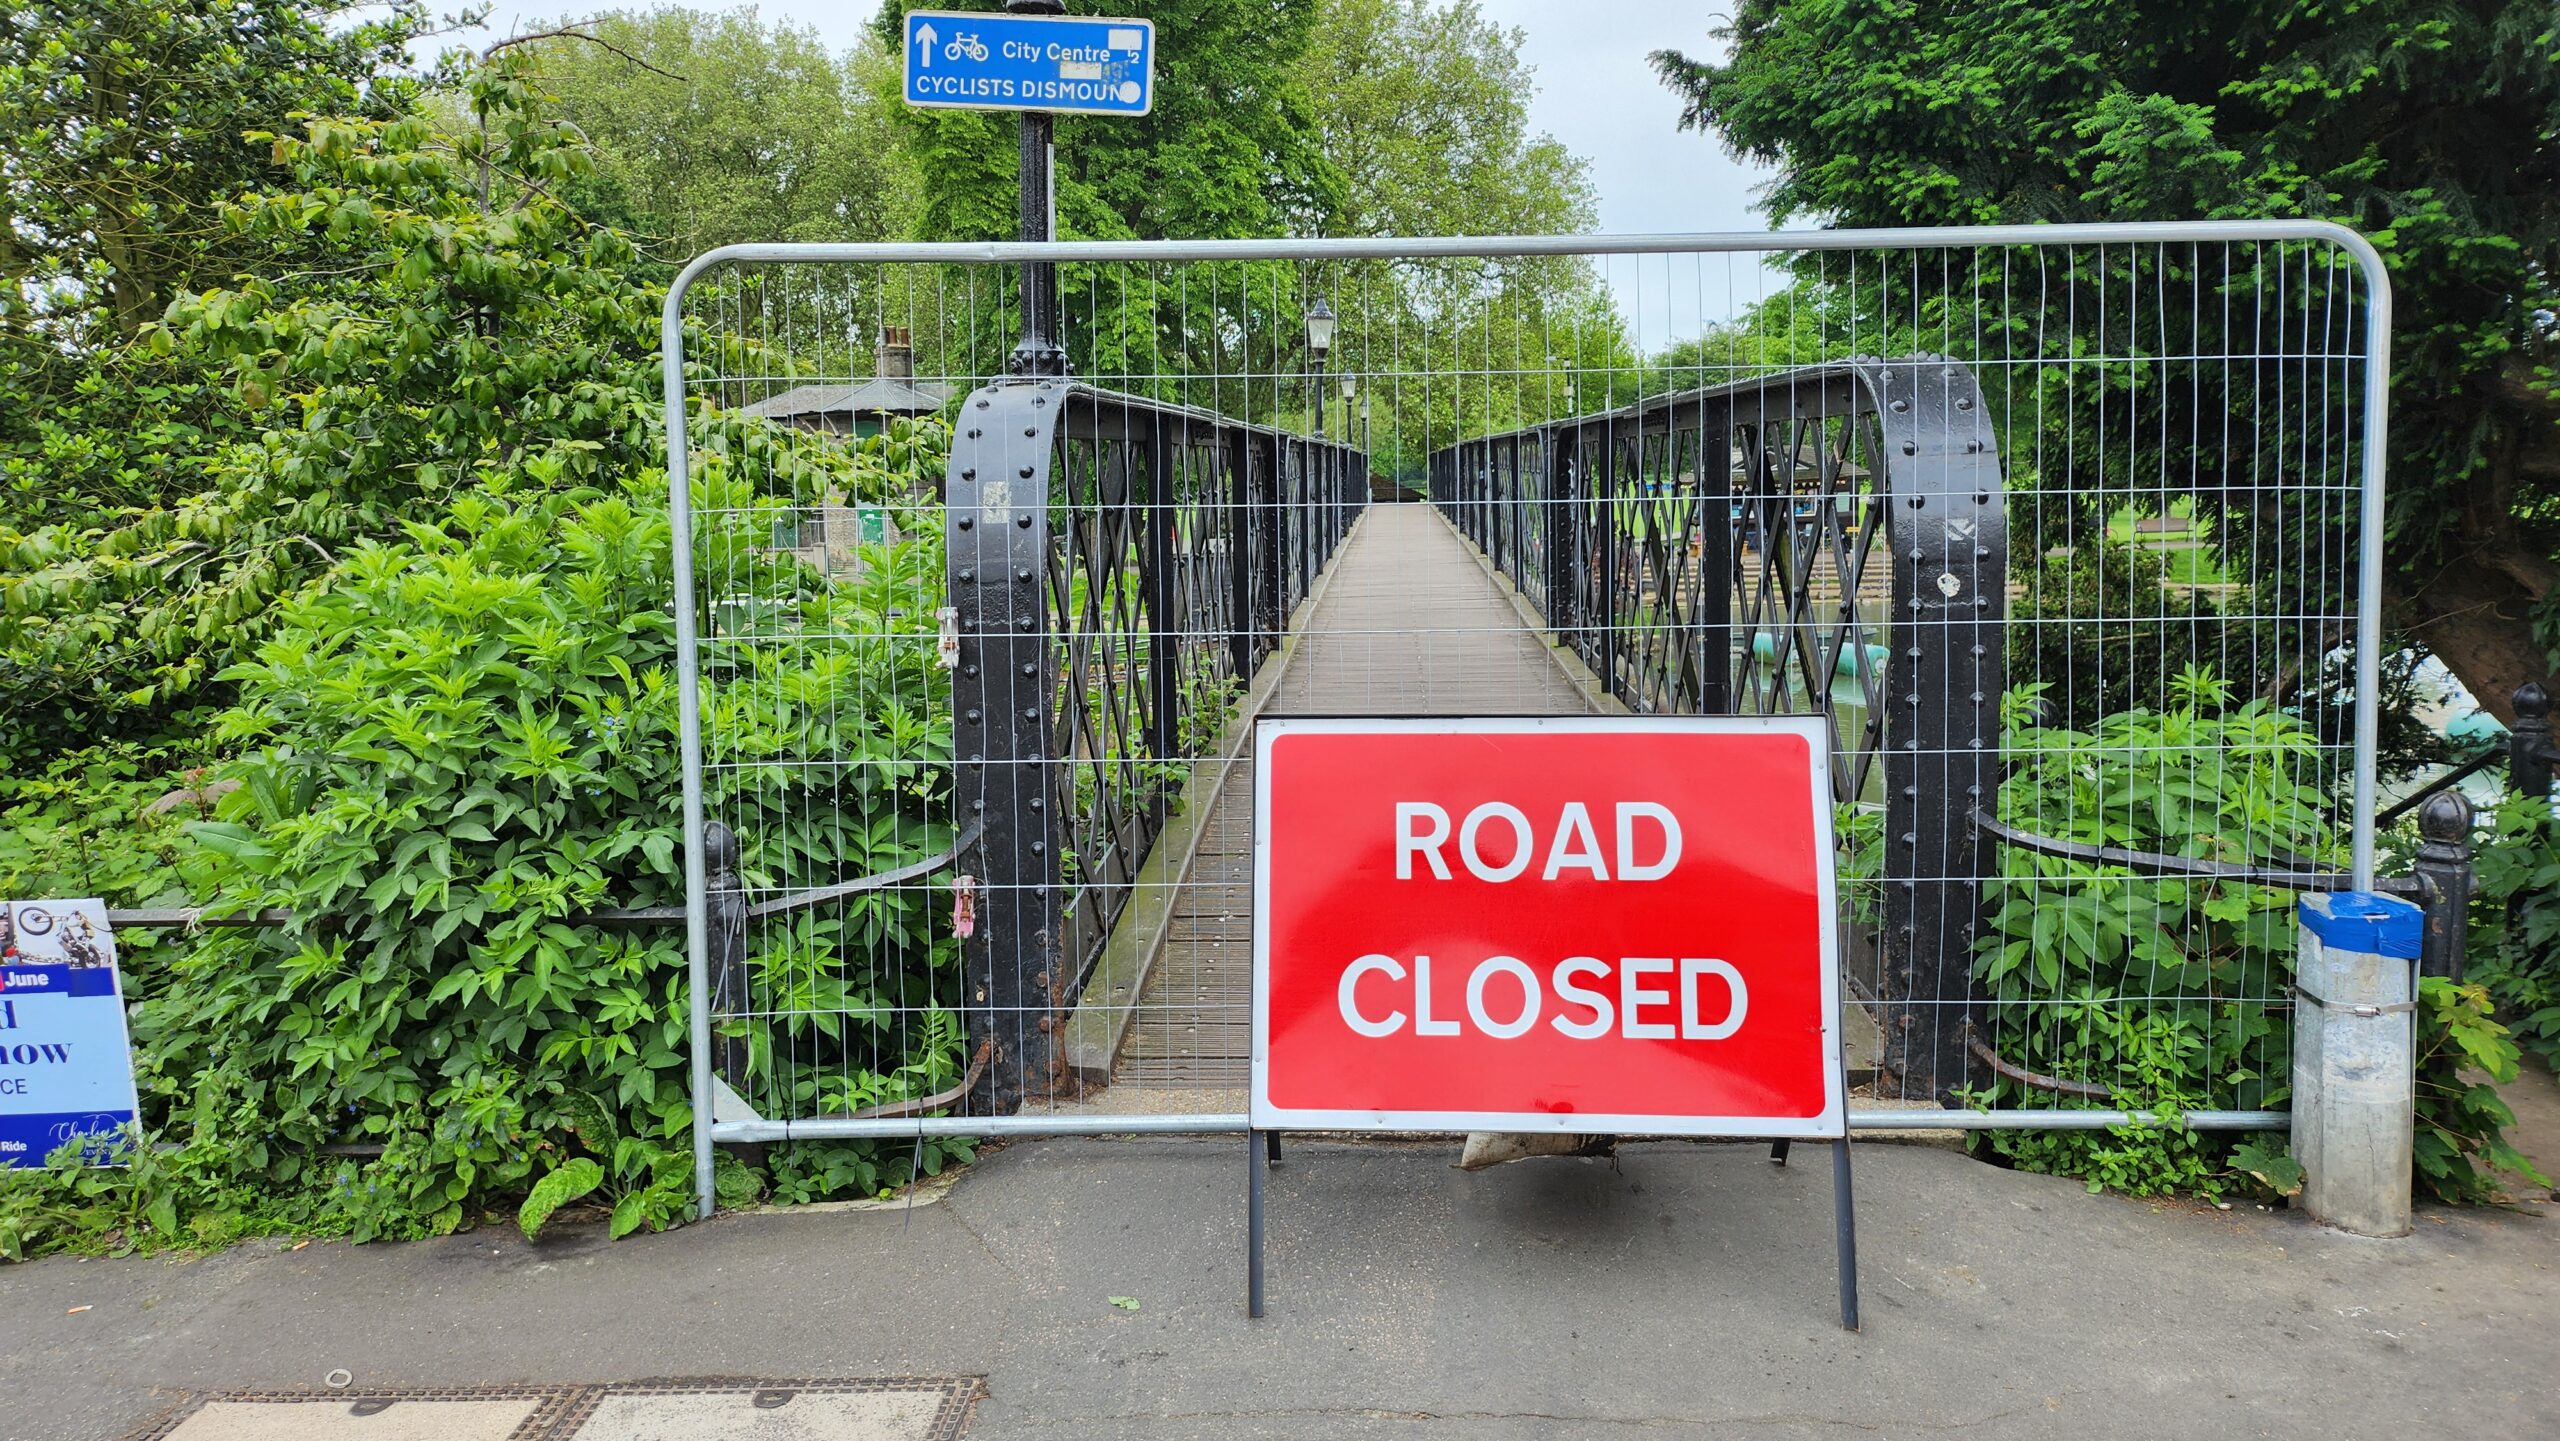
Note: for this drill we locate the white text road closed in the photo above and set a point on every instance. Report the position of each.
(1595, 924)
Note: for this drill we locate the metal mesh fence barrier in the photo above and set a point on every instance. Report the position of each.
(2064, 531)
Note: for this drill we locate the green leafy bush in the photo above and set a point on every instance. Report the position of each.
(2464, 1055)
(452, 748)
(460, 741)
(2515, 922)
(2172, 993)
(464, 742)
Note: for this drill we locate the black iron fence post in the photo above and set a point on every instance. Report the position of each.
(1514, 521)
(1271, 605)
(1164, 617)
(1564, 543)
(725, 901)
(1606, 513)
(1484, 517)
(2445, 882)
(1305, 518)
(1456, 504)
(1337, 471)
(2530, 752)
(1715, 559)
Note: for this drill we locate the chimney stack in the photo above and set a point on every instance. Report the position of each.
(897, 353)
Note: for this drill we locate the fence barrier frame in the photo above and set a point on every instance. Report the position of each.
(701, 902)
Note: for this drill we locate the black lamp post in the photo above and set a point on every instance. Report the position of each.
(1320, 323)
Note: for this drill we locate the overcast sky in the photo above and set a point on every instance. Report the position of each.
(1594, 92)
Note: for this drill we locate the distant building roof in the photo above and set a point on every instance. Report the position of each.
(870, 397)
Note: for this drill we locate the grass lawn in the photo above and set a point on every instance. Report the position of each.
(2184, 544)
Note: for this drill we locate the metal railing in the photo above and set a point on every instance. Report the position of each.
(1087, 605)
(1748, 548)
(1119, 567)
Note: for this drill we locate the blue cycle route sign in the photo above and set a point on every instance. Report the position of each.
(1071, 64)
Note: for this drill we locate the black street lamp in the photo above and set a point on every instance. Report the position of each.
(1320, 323)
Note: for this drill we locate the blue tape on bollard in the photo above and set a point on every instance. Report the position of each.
(2363, 921)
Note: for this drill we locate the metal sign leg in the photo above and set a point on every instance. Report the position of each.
(1778, 1152)
(1254, 1162)
(1844, 1226)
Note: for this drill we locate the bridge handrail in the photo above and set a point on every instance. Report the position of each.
(1118, 566)
(1787, 482)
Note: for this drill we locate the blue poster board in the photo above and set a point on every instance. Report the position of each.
(1071, 64)
(66, 1064)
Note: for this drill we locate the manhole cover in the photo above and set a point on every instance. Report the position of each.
(771, 1411)
(726, 1409)
(490, 1413)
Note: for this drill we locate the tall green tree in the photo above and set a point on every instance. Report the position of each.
(122, 126)
(122, 122)
(1424, 107)
(714, 127)
(2432, 128)
(427, 316)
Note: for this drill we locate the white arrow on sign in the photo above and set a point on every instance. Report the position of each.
(925, 37)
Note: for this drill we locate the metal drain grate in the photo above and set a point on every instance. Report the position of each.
(726, 1408)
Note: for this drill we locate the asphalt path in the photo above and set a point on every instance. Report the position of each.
(1685, 1290)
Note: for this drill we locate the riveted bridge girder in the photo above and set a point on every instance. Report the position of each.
(996, 509)
(1948, 529)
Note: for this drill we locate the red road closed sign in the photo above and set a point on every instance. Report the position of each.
(1607, 924)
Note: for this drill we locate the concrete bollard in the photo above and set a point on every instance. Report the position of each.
(2354, 1059)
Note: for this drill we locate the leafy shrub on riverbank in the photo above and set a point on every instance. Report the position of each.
(2173, 993)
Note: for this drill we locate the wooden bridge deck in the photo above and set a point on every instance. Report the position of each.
(1408, 622)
